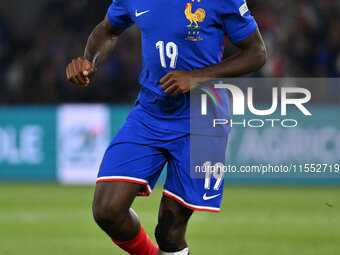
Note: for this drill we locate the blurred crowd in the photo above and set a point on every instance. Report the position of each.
(38, 40)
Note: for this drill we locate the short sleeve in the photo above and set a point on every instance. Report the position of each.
(118, 15)
(238, 23)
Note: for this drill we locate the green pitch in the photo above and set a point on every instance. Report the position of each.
(56, 220)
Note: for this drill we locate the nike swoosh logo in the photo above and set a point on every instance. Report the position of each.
(141, 13)
(205, 197)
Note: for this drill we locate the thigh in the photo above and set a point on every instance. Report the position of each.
(134, 163)
(121, 194)
(118, 195)
(133, 156)
(111, 209)
(197, 190)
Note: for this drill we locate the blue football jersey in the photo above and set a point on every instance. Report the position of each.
(178, 35)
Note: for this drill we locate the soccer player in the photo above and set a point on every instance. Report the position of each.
(180, 41)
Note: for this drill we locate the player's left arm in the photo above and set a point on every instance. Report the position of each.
(252, 57)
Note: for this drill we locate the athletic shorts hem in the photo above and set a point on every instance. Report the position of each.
(128, 179)
(190, 206)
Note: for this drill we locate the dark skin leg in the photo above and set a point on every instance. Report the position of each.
(172, 224)
(111, 209)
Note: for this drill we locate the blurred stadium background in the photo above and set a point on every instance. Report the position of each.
(53, 134)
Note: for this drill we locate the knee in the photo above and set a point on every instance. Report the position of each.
(108, 214)
(169, 237)
(164, 241)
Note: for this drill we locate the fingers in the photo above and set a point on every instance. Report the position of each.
(165, 78)
(167, 84)
(68, 75)
(170, 89)
(90, 72)
(173, 90)
(81, 65)
(171, 83)
(76, 70)
(176, 92)
(72, 75)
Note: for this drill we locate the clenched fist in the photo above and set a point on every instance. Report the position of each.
(80, 71)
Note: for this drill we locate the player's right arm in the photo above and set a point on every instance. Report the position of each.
(100, 45)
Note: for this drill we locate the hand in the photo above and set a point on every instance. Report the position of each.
(176, 82)
(80, 71)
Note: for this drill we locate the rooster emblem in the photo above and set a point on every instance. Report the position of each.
(196, 17)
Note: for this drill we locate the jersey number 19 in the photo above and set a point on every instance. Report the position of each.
(171, 51)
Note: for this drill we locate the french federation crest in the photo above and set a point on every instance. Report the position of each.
(195, 18)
